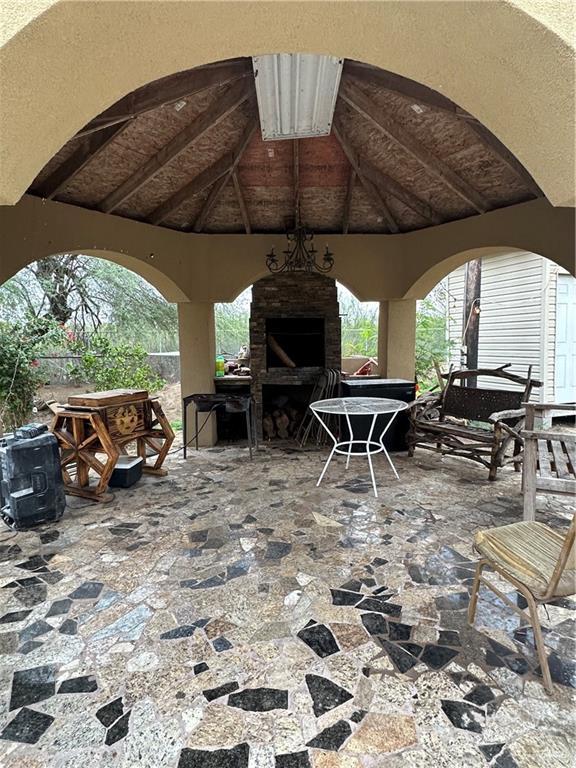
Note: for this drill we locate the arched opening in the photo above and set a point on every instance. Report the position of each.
(192, 153)
(511, 307)
(92, 325)
(143, 265)
(442, 49)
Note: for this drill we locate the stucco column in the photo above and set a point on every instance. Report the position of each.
(197, 361)
(397, 339)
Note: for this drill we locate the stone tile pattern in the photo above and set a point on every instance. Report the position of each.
(232, 615)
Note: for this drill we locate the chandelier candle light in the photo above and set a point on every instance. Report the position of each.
(300, 254)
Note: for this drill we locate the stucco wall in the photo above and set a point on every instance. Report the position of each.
(511, 64)
(210, 268)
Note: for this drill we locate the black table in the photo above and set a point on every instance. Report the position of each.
(395, 389)
(210, 402)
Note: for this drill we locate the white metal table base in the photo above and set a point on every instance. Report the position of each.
(371, 446)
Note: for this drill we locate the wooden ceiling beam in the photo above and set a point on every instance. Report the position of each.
(397, 190)
(167, 91)
(355, 98)
(348, 202)
(231, 100)
(210, 202)
(241, 203)
(370, 188)
(198, 184)
(237, 153)
(209, 176)
(386, 184)
(88, 149)
(403, 86)
(381, 205)
(422, 95)
(506, 157)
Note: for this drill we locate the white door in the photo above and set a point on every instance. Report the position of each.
(565, 364)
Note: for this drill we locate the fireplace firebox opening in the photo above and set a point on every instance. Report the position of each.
(295, 342)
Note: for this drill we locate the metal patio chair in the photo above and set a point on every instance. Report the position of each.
(538, 561)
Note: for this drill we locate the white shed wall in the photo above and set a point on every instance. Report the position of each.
(517, 317)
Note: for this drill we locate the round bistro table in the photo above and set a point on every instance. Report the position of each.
(369, 407)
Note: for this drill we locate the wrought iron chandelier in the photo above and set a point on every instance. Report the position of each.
(300, 254)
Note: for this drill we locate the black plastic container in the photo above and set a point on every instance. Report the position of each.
(394, 389)
(31, 487)
(127, 471)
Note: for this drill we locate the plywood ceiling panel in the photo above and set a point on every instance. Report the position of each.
(266, 172)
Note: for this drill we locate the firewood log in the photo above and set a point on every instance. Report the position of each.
(282, 423)
(294, 417)
(268, 427)
(277, 349)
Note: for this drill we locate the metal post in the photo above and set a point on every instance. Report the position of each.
(185, 424)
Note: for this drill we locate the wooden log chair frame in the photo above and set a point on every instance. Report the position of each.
(557, 584)
(87, 443)
(440, 422)
(549, 457)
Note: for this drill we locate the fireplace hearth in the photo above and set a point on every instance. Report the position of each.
(283, 408)
(294, 335)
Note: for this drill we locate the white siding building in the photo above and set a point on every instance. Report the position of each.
(527, 317)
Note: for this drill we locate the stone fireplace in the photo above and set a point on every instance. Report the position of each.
(294, 335)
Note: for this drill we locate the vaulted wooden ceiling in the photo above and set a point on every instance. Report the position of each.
(185, 152)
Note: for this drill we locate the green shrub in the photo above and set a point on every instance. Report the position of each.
(105, 365)
(19, 375)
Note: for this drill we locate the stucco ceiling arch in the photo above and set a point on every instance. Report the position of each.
(199, 268)
(422, 287)
(163, 284)
(145, 269)
(500, 61)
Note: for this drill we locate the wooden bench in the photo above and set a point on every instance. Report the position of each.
(442, 422)
(549, 457)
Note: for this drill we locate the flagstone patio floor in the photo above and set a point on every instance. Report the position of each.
(234, 615)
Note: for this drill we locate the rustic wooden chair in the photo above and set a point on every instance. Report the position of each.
(538, 561)
(549, 457)
(444, 422)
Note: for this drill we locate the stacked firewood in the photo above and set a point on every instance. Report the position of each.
(281, 423)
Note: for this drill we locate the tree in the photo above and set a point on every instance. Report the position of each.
(91, 295)
(88, 294)
(57, 287)
(232, 324)
(432, 344)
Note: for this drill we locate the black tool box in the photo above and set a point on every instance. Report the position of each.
(31, 487)
(127, 471)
